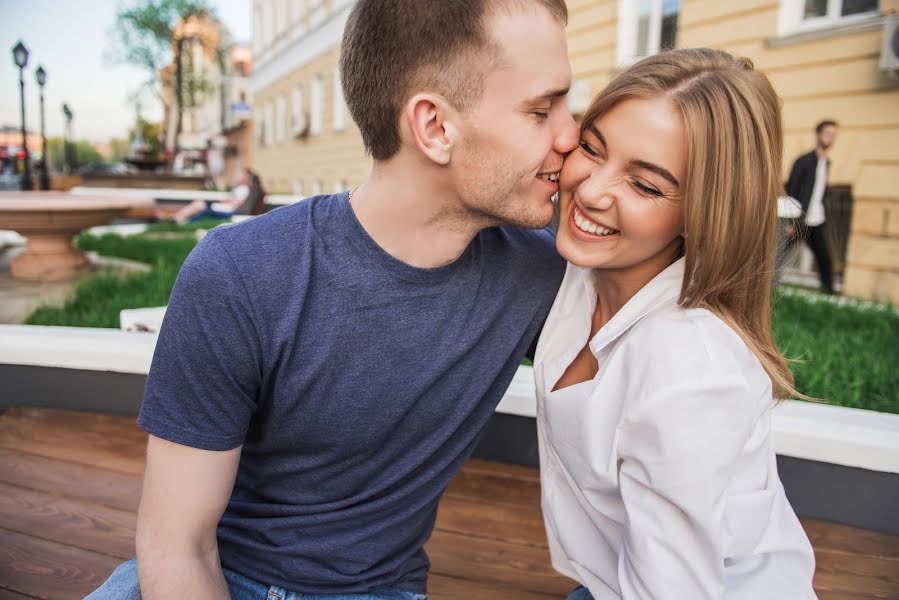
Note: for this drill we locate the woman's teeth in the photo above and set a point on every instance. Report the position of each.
(585, 224)
(549, 176)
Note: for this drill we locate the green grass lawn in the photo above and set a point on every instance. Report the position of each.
(96, 301)
(846, 354)
(843, 352)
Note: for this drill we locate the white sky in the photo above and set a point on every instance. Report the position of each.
(69, 38)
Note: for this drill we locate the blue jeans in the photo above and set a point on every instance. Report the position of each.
(123, 585)
(580, 593)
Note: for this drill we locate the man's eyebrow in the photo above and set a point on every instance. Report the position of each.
(661, 171)
(549, 95)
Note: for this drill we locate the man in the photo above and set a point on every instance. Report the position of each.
(807, 184)
(324, 370)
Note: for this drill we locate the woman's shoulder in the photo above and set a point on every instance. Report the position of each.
(693, 347)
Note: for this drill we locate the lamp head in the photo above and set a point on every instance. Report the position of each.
(20, 55)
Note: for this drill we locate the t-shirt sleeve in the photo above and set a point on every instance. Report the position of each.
(207, 368)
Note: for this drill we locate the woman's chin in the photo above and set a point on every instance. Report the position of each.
(575, 253)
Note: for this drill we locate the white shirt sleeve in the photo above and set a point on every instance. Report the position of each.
(677, 454)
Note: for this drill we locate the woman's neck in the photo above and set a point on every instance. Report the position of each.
(615, 287)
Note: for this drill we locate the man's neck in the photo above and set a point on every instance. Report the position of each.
(413, 215)
(820, 152)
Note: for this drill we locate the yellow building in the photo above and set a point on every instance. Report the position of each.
(823, 57)
(306, 142)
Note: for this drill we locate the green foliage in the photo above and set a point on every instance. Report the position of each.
(83, 153)
(169, 227)
(842, 354)
(139, 247)
(118, 149)
(96, 301)
(142, 34)
(150, 134)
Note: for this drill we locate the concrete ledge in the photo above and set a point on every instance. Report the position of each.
(819, 432)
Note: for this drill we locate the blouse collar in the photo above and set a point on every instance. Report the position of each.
(661, 290)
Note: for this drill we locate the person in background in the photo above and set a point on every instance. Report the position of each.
(807, 184)
(246, 199)
(657, 370)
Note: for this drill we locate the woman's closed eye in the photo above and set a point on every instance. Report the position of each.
(646, 190)
(586, 147)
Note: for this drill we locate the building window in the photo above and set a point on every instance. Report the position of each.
(259, 127)
(257, 30)
(299, 123)
(339, 186)
(316, 188)
(797, 16)
(339, 104)
(316, 102)
(281, 118)
(646, 27)
(269, 122)
(298, 188)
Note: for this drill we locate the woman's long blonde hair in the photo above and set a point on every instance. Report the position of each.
(732, 120)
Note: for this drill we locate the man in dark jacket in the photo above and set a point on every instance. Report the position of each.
(807, 184)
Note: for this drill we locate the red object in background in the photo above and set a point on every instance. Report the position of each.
(21, 155)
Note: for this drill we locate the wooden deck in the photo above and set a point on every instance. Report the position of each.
(70, 482)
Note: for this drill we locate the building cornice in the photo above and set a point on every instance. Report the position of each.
(311, 45)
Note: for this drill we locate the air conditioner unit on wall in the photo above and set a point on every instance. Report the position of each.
(889, 49)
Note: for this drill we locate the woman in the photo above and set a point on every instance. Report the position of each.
(656, 367)
(246, 199)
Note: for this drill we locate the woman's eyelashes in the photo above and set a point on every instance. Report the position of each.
(645, 189)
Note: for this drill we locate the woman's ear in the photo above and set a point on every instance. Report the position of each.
(430, 120)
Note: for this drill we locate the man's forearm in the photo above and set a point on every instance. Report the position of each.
(168, 574)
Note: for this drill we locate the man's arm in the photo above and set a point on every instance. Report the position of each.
(184, 495)
(793, 187)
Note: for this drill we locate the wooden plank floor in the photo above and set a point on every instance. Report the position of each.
(70, 483)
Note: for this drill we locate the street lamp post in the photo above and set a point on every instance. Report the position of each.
(45, 176)
(67, 112)
(20, 57)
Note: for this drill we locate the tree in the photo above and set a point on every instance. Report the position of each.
(142, 36)
(83, 154)
(150, 134)
(119, 148)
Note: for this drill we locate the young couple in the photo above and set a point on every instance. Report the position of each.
(325, 370)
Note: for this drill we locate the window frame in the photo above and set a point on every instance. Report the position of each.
(628, 23)
(791, 19)
(316, 106)
(339, 104)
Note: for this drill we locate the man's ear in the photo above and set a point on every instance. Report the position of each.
(431, 123)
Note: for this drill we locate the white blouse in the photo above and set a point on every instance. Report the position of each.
(659, 476)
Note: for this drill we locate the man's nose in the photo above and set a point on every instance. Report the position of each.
(568, 134)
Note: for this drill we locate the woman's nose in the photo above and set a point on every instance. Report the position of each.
(598, 191)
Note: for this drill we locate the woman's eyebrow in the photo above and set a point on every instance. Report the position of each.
(642, 164)
(661, 171)
(598, 134)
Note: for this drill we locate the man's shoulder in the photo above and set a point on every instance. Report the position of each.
(531, 250)
(809, 158)
(539, 241)
(280, 231)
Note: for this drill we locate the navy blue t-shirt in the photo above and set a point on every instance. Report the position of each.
(357, 385)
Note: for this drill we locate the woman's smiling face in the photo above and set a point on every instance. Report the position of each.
(621, 190)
